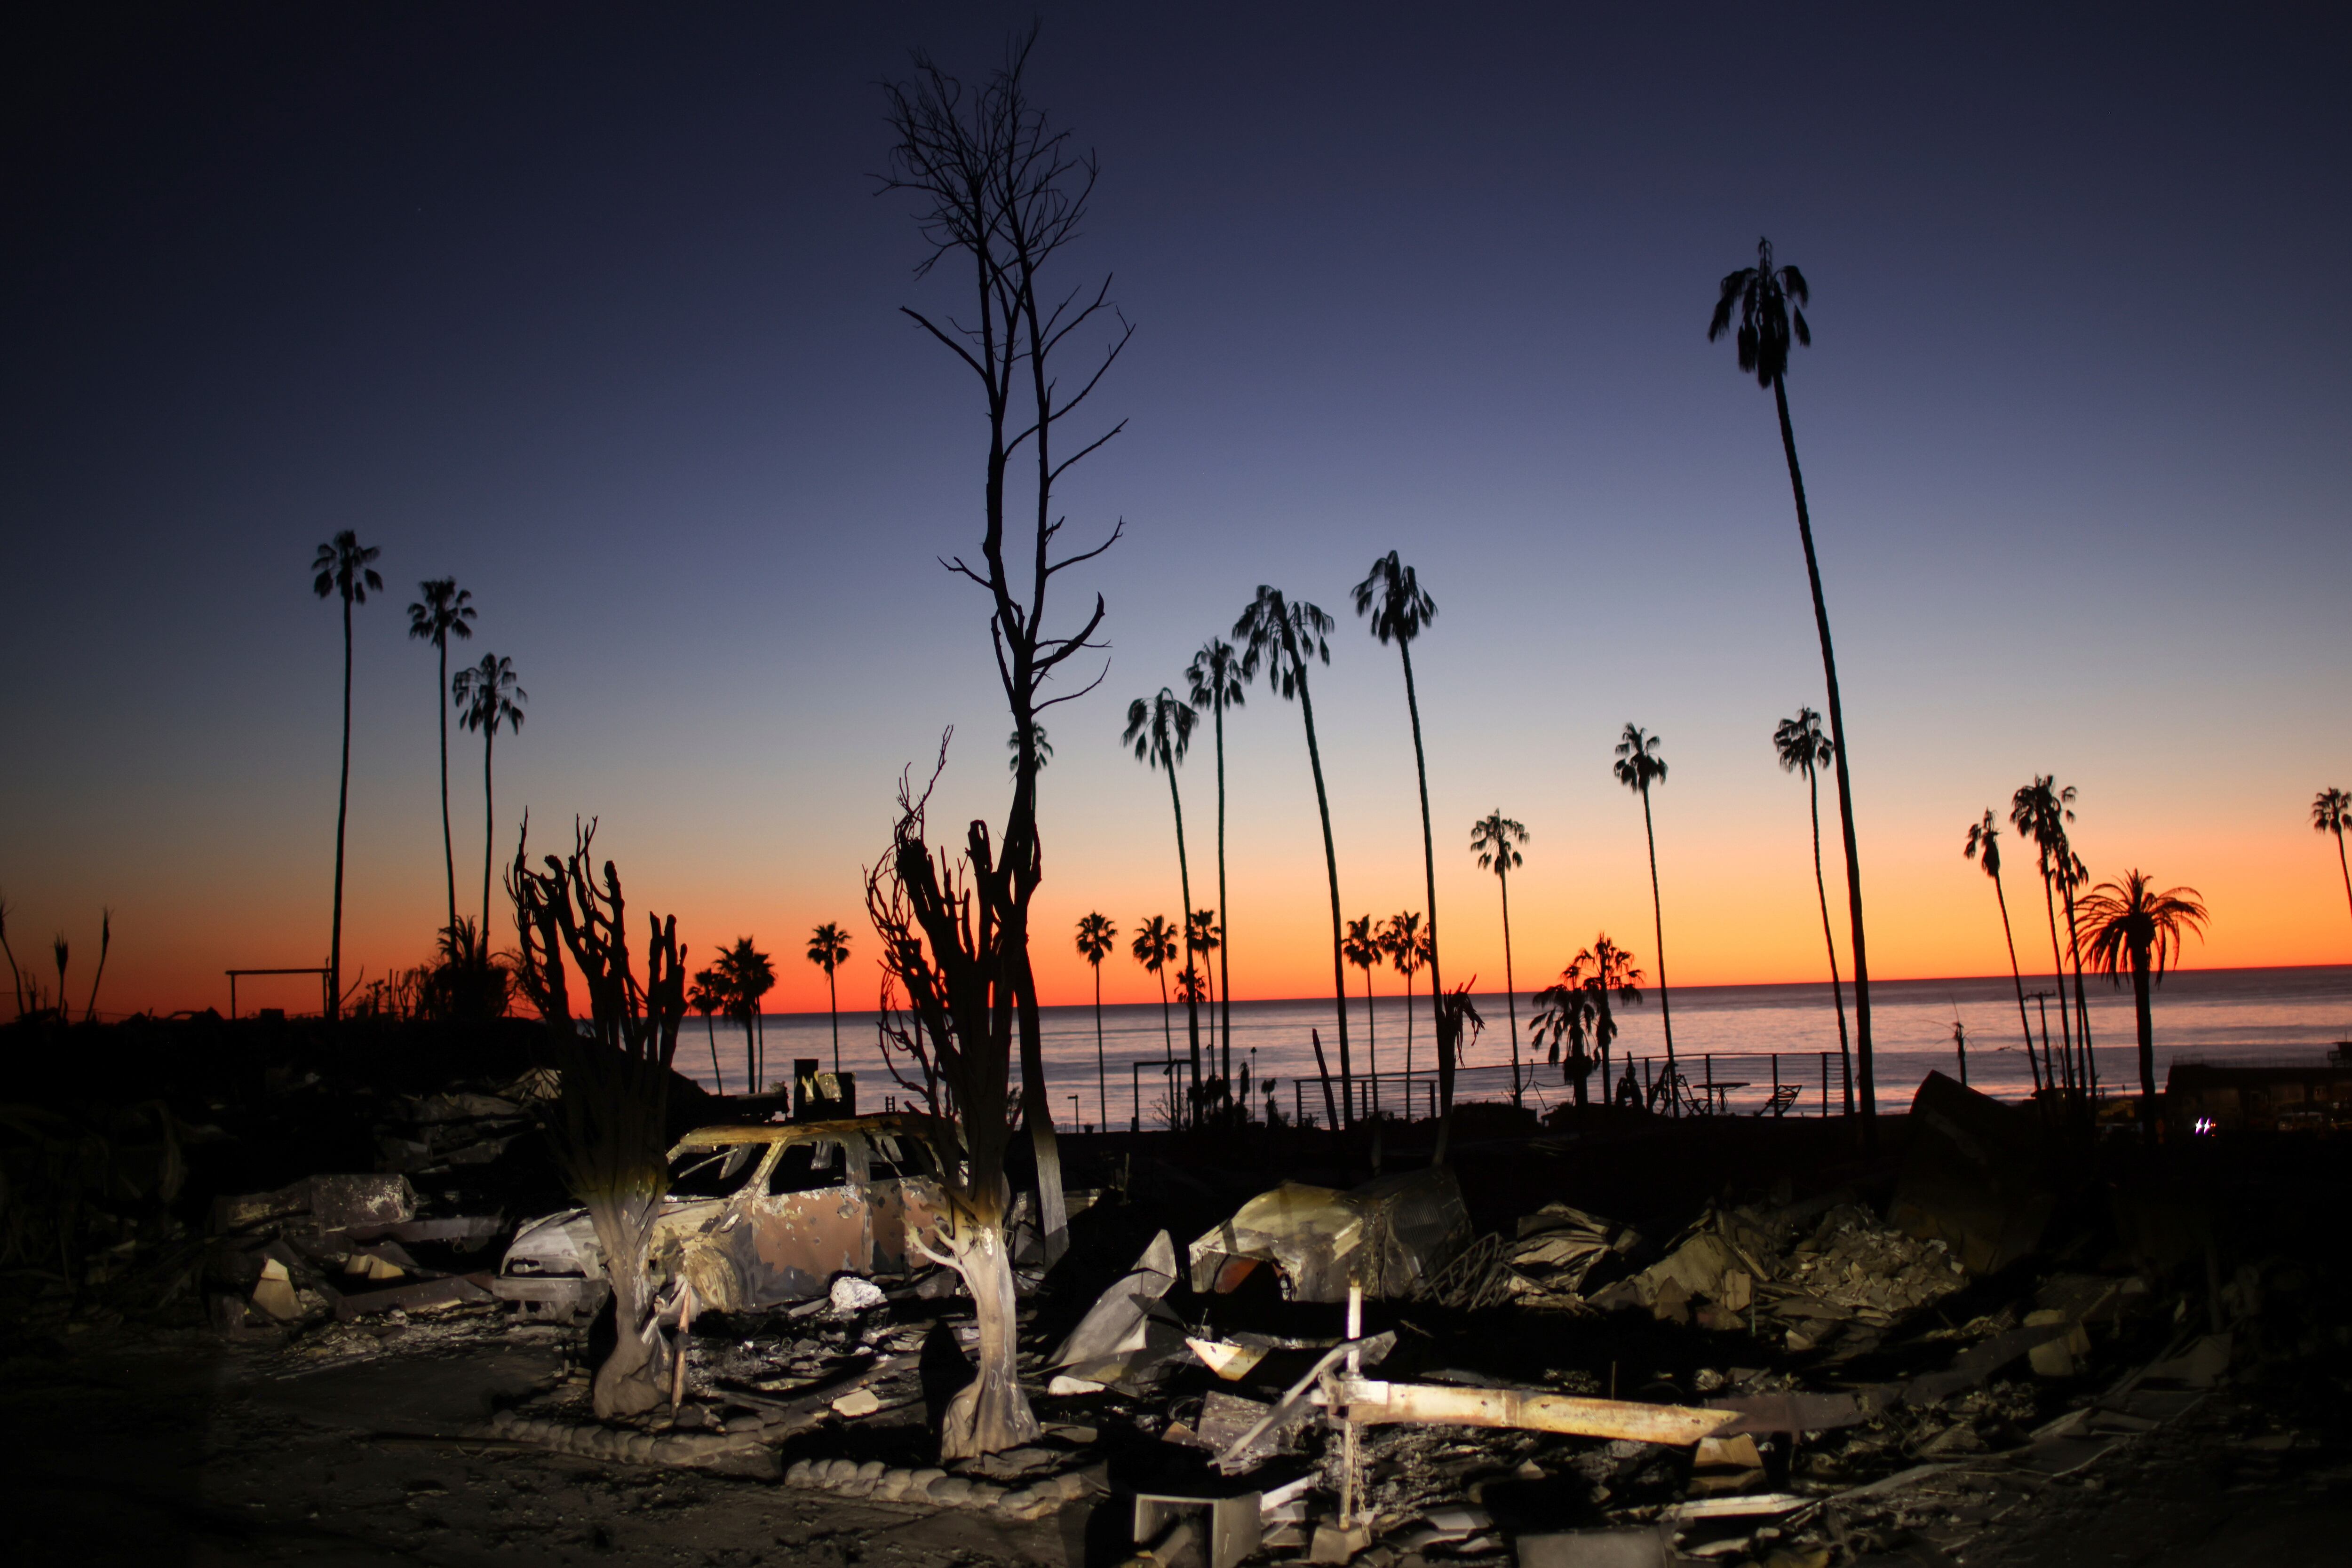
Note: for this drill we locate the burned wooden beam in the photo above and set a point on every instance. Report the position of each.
(1381, 1404)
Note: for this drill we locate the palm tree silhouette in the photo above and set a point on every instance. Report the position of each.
(1204, 936)
(1161, 731)
(828, 949)
(2330, 810)
(1408, 948)
(1638, 766)
(343, 568)
(1399, 610)
(1611, 972)
(441, 612)
(1493, 837)
(1362, 946)
(1578, 1007)
(751, 976)
(491, 698)
(707, 995)
(1803, 748)
(1762, 296)
(1214, 683)
(1282, 637)
(1096, 935)
(1155, 949)
(1013, 744)
(2128, 923)
(1984, 848)
(2040, 810)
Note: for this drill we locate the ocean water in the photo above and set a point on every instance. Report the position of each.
(1731, 1034)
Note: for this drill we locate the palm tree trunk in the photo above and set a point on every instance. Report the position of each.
(1102, 1072)
(1331, 866)
(490, 822)
(1224, 914)
(2018, 977)
(342, 817)
(1869, 1085)
(2146, 1043)
(833, 1003)
(711, 1029)
(2344, 868)
(1510, 988)
(1323, 1071)
(1371, 1049)
(448, 851)
(1658, 930)
(2058, 978)
(1407, 1046)
(1821, 888)
(2082, 1006)
(1167, 1036)
(1429, 876)
(1184, 935)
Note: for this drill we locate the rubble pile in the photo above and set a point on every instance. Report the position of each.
(340, 1247)
(432, 1134)
(1414, 1371)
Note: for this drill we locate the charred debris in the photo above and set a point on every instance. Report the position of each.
(1619, 1339)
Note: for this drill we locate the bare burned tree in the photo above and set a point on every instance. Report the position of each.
(610, 1128)
(1000, 193)
(947, 949)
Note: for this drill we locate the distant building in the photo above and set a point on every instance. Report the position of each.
(2310, 1095)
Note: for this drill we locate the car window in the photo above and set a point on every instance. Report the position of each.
(807, 1166)
(713, 1173)
(894, 1157)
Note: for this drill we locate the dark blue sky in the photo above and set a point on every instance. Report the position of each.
(596, 309)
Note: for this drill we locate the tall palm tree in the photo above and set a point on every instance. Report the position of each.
(1399, 610)
(1803, 748)
(1494, 837)
(1762, 296)
(707, 997)
(1161, 731)
(1204, 937)
(1638, 766)
(1096, 935)
(2040, 810)
(1213, 680)
(1407, 945)
(441, 612)
(751, 976)
(491, 698)
(828, 949)
(2127, 922)
(1155, 949)
(1362, 946)
(1282, 637)
(2330, 810)
(343, 568)
(1984, 848)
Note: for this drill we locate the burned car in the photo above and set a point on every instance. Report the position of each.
(757, 1217)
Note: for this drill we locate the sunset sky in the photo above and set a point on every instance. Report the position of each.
(597, 309)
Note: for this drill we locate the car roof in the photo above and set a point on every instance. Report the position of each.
(897, 1124)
